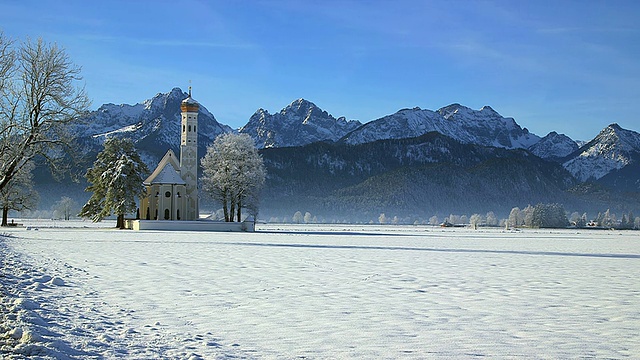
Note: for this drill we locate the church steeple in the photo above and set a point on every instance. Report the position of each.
(189, 154)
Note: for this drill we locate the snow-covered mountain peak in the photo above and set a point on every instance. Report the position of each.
(153, 124)
(554, 146)
(613, 149)
(300, 123)
(483, 127)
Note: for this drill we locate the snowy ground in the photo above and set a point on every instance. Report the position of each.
(319, 292)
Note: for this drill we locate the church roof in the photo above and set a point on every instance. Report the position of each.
(166, 172)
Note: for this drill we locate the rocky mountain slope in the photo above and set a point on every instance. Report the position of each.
(300, 123)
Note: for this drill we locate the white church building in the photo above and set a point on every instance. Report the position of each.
(172, 188)
(171, 201)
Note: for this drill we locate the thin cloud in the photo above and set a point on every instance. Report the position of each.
(164, 42)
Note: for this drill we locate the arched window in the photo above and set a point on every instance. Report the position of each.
(167, 194)
(178, 214)
(166, 214)
(189, 128)
(183, 128)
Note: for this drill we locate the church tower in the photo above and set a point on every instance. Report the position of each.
(189, 155)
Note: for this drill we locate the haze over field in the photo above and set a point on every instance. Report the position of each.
(321, 292)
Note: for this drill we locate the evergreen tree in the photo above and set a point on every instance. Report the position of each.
(116, 181)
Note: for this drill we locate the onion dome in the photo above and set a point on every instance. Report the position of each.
(189, 104)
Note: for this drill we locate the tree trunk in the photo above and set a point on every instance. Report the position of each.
(233, 210)
(120, 222)
(226, 210)
(5, 215)
(239, 210)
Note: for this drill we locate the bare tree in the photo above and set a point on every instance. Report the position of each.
(18, 194)
(38, 100)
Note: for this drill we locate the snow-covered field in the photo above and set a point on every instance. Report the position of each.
(319, 292)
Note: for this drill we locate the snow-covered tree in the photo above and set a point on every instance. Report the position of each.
(548, 216)
(382, 219)
(39, 99)
(515, 217)
(234, 174)
(492, 220)
(434, 220)
(64, 207)
(636, 223)
(453, 219)
(116, 181)
(18, 194)
(297, 217)
(475, 220)
(308, 218)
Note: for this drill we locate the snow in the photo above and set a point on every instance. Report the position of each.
(318, 291)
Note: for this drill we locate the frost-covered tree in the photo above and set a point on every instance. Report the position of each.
(636, 223)
(548, 216)
(475, 220)
(492, 220)
(607, 219)
(515, 217)
(64, 207)
(18, 194)
(39, 99)
(297, 217)
(434, 220)
(382, 219)
(308, 218)
(233, 174)
(116, 181)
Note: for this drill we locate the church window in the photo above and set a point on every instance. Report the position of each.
(166, 214)
(183, 128)
(178, 214)
(194, 128)
(167, 194)
(189, 128)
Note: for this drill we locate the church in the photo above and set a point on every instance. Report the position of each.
(172, 188)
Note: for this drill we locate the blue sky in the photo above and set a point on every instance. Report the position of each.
(568, 66)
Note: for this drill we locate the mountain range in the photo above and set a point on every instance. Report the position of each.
(415, 161)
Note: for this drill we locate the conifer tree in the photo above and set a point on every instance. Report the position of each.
(116, 181)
